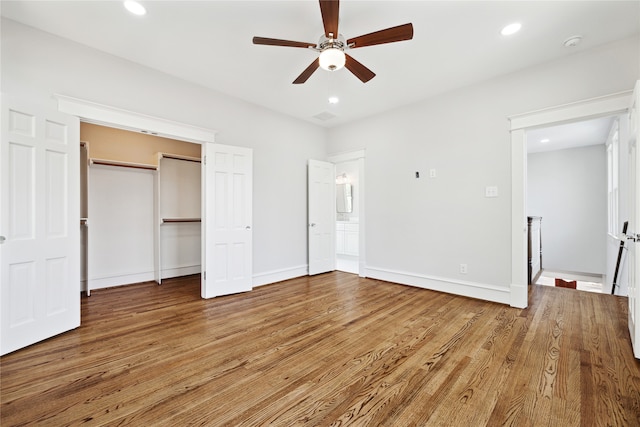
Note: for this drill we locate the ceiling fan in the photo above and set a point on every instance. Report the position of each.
(332, 45)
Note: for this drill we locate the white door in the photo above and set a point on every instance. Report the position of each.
(40, 224)
(226, 220)
(634, 222)
(322, 217)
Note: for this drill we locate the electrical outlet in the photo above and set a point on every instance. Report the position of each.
(463, 268)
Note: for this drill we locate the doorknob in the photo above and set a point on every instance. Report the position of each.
(248, 227)
(313, 224)
(2, 239)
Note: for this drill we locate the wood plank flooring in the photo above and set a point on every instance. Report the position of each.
(329, 350)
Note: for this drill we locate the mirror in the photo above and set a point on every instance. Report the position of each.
(343, 198)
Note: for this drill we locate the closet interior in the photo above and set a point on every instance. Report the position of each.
(140, 207)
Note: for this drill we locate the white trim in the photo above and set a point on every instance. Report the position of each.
(121, 280)
(602, 105)
(519, 123)
(187, 270)
(469, 289)
(346, 156)
(519, 264)
(274, 276)
(92, 112)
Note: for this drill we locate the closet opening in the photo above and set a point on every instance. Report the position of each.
(140, 207)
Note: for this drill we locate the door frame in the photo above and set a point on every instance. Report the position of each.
(104, 115)
(359, 156)
(617, 103)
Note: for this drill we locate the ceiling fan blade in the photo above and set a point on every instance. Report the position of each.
(358, 70)
(390, 35)
(307, 72)
(278, 42)
(330, 10)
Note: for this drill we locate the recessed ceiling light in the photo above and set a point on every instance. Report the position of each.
(333, 100)
(511, 29)
(545, 140)
(135, 7)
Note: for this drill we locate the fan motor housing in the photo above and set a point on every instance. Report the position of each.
(327, 43)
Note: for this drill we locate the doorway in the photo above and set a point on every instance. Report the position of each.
(350, 212)
(347, 217)
(519, 124)
(571, 191)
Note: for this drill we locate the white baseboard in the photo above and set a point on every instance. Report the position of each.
(168, 273)
(125, 279)
(274, 276)
(468, 289)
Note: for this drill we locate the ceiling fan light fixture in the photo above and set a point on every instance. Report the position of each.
(332, 59)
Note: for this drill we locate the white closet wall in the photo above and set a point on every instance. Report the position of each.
(179, 198)
(121, 225)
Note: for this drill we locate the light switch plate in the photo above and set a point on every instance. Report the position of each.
(491, 191)
(432, 173)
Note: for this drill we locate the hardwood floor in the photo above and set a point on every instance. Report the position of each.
(332, 349)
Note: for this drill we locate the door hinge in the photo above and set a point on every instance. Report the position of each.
(204, 275)
(204, 160)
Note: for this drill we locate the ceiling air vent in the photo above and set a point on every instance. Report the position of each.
(324, 116)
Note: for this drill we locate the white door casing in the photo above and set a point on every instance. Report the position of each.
(633, 257)
(226, 220)
(616, 103)
(322, 217)
(40, 220)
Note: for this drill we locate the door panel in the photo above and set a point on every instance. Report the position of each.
(40, 259)
(322, 217)
(634, 222)
(227, 217)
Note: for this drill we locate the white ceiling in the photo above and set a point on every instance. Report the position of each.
(570, 135)
(455, 44)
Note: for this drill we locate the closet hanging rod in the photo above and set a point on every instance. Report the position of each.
(169, 220)
(123, 164)
(180, 157)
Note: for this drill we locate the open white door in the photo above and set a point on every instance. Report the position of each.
(226, 220)
(40, 224)
(633, 257)
(322, 217)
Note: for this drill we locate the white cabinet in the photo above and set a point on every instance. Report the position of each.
(347, 238)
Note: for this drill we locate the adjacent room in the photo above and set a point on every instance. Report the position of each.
(319, 213)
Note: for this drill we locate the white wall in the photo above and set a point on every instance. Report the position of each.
(419, 231)
(121, 226)
(568, 189)
(36, 65)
